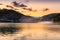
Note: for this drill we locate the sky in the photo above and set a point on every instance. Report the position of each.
(33, 0)
(40, 5)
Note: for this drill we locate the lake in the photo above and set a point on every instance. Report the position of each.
(33, 31)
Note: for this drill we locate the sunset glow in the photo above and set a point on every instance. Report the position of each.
(39, 7)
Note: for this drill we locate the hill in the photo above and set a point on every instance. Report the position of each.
(11, 16)
(55, 17)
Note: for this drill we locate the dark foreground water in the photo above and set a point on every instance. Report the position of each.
(32, 31)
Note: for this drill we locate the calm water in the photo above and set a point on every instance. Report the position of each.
(33, 31)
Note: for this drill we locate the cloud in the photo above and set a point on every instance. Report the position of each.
(16, 4)
(46, 9)
(30, 9)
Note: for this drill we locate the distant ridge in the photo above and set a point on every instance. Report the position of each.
(55, 17)
(11, 16)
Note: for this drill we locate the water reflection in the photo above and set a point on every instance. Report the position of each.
(33, 31)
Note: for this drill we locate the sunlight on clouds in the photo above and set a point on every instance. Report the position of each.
(53, 7)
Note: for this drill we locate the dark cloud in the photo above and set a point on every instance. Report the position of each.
(30, 9)
(16, 4)
(1, 4)
(9, 6)
(46, 9)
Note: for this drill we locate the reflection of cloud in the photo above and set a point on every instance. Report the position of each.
(24, 37)
(8, 30)
(53, 29)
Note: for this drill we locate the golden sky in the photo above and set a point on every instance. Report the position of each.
(53, 7)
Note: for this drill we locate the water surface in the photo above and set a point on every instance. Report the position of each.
(33, 31)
